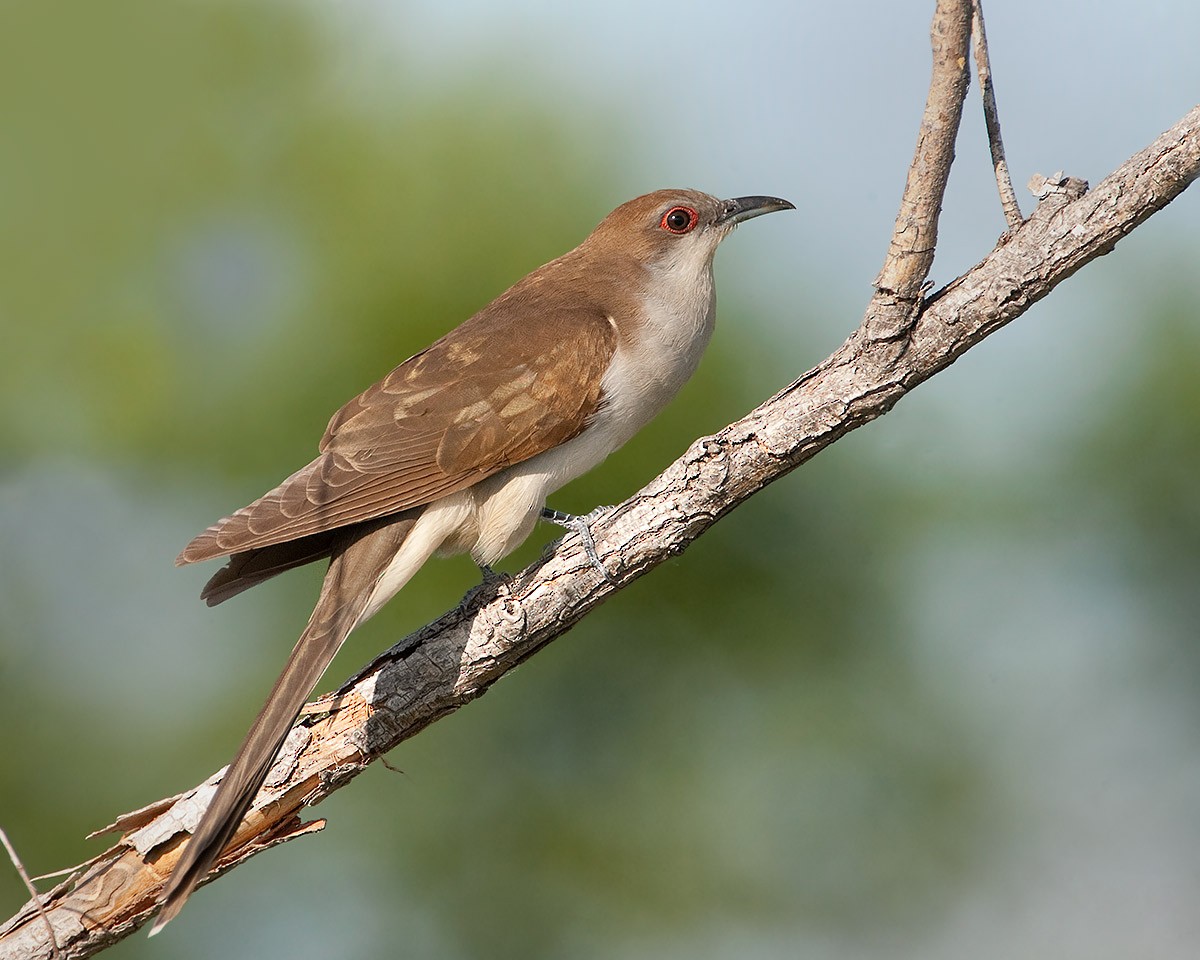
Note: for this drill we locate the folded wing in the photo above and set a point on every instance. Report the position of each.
(487, 395)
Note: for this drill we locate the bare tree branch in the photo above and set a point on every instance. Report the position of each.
(902, 341)
(991, 115)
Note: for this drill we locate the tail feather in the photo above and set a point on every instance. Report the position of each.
(251, 567)
(355, 566)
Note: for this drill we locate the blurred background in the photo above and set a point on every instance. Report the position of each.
(934, 695)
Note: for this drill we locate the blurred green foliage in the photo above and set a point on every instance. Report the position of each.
(207, 245)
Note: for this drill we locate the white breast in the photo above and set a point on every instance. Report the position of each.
(646, 372)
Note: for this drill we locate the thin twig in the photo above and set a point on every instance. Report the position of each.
(1008, 198)
(37, 898)
(55, 873)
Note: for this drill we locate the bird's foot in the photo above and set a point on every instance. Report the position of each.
(490, 576)
(582, 528)
(492, 584)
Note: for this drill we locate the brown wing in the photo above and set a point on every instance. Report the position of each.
(511, 382)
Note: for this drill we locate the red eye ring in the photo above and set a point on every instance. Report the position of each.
(680, 220)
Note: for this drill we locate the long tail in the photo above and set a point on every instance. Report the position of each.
(355, 567)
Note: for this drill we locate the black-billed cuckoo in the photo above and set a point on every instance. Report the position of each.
(457, 448)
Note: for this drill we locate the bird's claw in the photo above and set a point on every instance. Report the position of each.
(581, 527)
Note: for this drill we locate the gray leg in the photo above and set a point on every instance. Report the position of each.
(581, 527)
(493, 580)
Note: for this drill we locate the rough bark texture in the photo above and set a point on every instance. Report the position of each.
(901, 342)
(914, 239)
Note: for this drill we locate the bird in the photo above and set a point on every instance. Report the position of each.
(457, 448)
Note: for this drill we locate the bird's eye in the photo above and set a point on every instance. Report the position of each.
(680, 220)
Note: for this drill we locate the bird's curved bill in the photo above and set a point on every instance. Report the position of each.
(746, 208)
